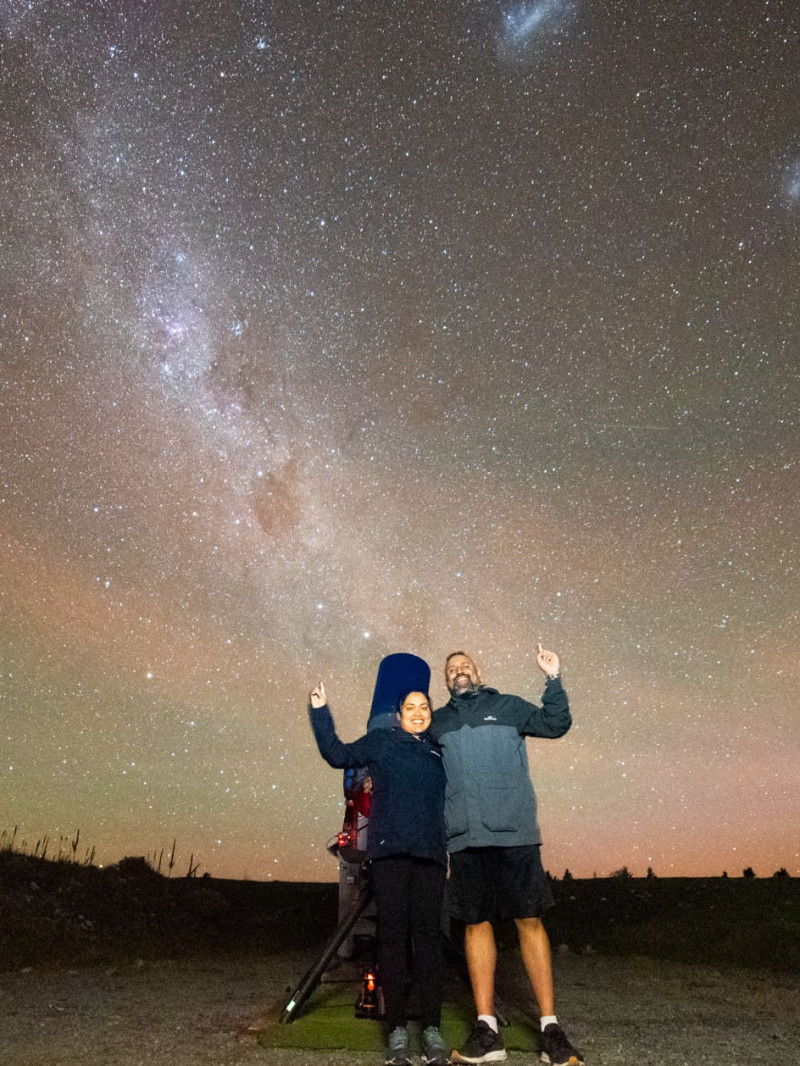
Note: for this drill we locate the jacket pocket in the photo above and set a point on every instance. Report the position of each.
(455, 813)
(502, 809)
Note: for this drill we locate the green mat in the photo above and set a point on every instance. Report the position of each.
(327, 1022)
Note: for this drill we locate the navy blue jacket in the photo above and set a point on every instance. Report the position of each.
(490, 797)
(406, 815)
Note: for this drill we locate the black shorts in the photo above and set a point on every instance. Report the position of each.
(487, 884)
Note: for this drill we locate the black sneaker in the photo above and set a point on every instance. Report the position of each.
(482, 1045)
(557, 1050)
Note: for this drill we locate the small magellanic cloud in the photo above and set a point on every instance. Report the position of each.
(528, 28)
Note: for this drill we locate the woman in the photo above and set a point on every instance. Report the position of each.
(406, 847)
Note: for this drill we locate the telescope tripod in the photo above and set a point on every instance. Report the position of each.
(313, 975)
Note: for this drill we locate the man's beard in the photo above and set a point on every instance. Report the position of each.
(463, 686)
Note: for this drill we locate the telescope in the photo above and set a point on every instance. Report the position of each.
(397, 674)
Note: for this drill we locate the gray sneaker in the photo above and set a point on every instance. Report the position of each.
(434, 1049)
(397, 1053)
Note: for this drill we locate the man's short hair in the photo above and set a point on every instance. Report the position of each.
(466, 655)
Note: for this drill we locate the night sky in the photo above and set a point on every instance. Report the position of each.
(331, 330)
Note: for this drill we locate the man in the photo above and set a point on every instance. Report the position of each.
(494, 841)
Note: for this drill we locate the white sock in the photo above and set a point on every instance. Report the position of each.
(548, 1019)
(490, 1020)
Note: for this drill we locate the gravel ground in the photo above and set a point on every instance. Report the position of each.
(623, 1012)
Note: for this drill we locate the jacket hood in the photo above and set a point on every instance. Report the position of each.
(472, 695)
(402, 734)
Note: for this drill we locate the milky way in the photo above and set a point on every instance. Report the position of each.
(334, 330)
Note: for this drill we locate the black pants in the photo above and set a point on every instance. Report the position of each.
(408, 896)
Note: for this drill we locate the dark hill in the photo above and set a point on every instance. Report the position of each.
(61, 913)
(66, 913)
(753, 922)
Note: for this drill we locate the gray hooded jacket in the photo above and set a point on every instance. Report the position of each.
(490, 800)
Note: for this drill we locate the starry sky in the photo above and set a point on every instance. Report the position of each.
(336, 329)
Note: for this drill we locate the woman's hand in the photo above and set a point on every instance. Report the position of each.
(317, 698)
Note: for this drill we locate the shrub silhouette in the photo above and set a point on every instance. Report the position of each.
(136, 868)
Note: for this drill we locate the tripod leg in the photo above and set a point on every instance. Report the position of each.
(312, 976)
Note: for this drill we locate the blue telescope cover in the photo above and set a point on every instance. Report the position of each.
(397, 674)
